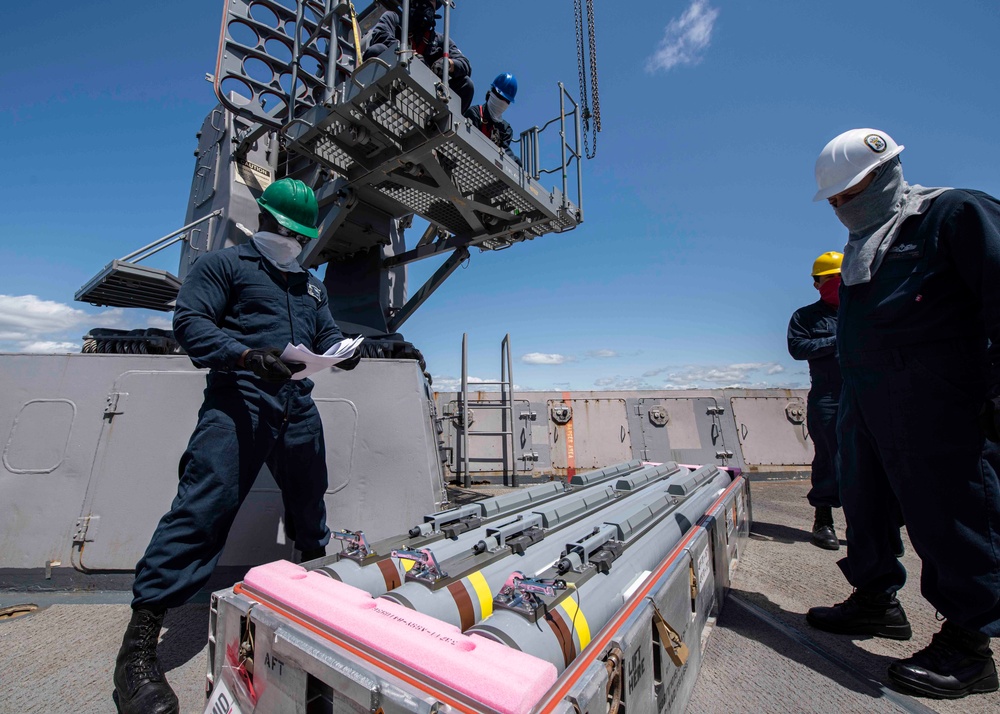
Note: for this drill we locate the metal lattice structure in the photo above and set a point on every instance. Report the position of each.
(266, 48)
(400, 148)
(379, 140)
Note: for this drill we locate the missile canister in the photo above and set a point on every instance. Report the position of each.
(464, 599)
(456, 530)
(583, 592)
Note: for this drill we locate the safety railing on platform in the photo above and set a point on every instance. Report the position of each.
(531, 151)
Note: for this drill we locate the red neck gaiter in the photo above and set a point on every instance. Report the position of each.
(829, 292)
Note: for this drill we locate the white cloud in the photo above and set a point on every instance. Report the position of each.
(618, 382)
(602, 354)
(685, 38)
(31, 324)
(24, 317)
(546, 358)
(746, 375)
(161, 323)
(447, 383)
(50, 347)
(727, 375)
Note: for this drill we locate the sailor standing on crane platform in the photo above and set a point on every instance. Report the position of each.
(488, 116)
(235, 311)
(426, 43)
(919, 347)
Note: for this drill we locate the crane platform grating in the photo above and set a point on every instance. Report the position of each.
(402, 150)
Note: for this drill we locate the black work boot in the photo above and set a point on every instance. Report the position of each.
(823, 535)
(140, 686)
(876, 614)
(957, 662)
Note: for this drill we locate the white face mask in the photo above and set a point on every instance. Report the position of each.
(281, 251)
(496, 106)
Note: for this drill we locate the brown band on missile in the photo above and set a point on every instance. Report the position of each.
(466, 612)
(563, 634)
(390, 573)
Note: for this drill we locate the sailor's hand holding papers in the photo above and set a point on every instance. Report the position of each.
(340, 355)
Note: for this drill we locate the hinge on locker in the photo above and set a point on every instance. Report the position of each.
(114, 404)
(85, 530)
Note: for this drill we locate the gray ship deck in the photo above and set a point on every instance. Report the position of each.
(761, 657)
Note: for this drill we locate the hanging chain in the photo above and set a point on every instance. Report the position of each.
(592, 97)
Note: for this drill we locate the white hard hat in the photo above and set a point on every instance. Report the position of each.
(850, 157)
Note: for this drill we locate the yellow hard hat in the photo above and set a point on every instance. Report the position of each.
(827, 264)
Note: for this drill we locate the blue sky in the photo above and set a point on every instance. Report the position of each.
(700, 230)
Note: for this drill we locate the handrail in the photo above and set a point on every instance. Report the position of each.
(531, 154)
(404, 40)
(466, 476)
(446, 65)
(506, 405)
(160, 243)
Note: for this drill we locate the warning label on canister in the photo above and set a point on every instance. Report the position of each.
(704, 566)
(255, 176)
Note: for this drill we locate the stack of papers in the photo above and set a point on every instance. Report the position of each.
(301, 354)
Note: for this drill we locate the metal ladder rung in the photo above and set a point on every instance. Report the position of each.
(489, 433)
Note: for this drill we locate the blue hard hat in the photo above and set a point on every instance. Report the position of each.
(505, 85)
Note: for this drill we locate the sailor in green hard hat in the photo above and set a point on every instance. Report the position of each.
(236, 310)
(293, 205)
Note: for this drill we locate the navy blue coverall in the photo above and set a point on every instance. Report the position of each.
(231, 301)
(499, 132)
(917, 348)
(387, 33)
(812, 335)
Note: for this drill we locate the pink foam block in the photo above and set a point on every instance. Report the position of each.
(501, 678)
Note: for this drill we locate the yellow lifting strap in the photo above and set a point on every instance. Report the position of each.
(357, 35)
(671, 640)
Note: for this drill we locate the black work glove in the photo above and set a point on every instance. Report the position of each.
(989, 419)
(438, 64)
(349, 363)
(267, 365)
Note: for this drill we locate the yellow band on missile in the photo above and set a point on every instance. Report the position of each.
(577, 621)
(482, 589)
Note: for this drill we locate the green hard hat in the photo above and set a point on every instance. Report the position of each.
(293, 204)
